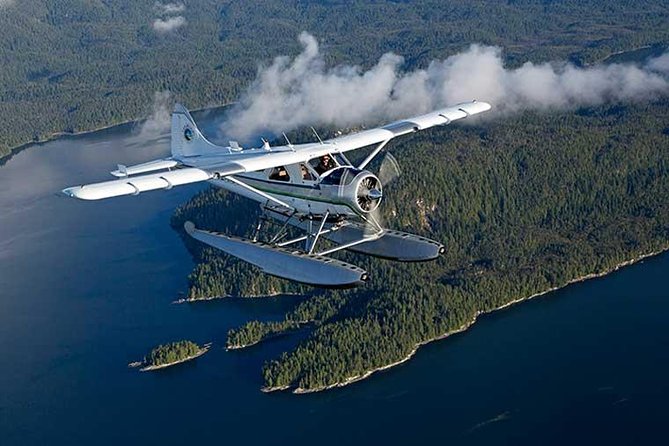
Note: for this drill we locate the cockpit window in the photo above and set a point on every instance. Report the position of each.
(323, 164)
(342, 176)
(279, 174)
(341, 159)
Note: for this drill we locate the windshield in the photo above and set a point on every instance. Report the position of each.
(323, 164)
(341, 176)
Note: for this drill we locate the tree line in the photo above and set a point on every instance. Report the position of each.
(72, 65)
(171, 352)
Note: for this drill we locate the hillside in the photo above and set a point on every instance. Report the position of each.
(75, 65)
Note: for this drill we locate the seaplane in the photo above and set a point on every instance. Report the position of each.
(312, 187)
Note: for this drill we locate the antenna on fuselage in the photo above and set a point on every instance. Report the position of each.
(290, 145)
(317, 136)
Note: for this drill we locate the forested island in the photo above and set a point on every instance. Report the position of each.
(71, 65)
(254, 332)
(523, 205)
(173, 353)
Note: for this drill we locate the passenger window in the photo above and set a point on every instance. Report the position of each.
(306, 173)
(279, 174)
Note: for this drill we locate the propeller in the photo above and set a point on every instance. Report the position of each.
(369, 193)
(388, 172)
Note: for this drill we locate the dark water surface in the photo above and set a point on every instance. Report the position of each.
(86, 288)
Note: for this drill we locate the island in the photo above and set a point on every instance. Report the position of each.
(173, 353)
(255, 332)
(524, 205)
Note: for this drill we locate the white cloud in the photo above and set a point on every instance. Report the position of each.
(302, 91)
(158, 123)
(169, 24)
(660, 64)
(168, 8)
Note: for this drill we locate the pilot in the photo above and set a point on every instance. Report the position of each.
(325, 163)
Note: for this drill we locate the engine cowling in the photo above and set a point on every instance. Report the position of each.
(361, 189)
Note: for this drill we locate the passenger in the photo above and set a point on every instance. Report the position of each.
(279, 174)
(306, 175)
(325, 163)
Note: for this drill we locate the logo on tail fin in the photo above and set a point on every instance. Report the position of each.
(187, 140)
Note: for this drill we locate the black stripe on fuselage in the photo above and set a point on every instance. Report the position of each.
(280, 183)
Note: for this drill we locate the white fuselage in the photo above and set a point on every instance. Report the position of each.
(304, 192)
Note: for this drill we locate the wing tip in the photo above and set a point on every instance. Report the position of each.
(73, 192)
(486, 106)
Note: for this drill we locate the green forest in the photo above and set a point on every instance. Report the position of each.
(76, 65)
(522, 205)
(171, 352)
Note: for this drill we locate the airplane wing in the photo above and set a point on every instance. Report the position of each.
(439, 117)
(304, 152)
(217, 162)
(133, 185)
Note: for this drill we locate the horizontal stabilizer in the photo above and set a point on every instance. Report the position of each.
(292, 265)
(151, 166)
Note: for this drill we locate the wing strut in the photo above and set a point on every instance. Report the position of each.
(371, 156)
(301, 238)
(318, 234)
(365, 239)
(258, 192)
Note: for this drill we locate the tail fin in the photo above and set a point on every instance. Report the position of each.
(187, 140)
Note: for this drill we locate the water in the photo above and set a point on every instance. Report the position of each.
(86, 288)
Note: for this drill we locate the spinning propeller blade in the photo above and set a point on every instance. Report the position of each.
(388, 172)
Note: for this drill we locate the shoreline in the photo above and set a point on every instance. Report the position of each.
(229, 348)
(186, 300)
(300, 325)
(467, 325)
(150, 368)
(13, 151)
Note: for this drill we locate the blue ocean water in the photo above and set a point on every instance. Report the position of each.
(86, 288)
